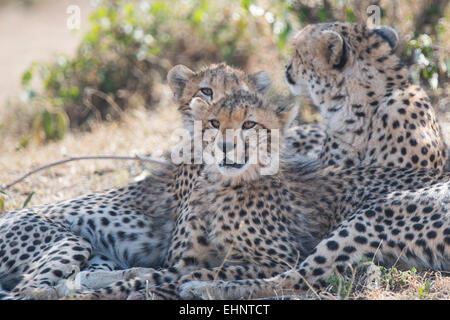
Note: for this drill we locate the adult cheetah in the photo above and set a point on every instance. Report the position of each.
(372, 114)
(115, 229)
(306, 140)
(240, 225)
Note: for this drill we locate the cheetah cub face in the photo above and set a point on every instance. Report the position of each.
(241, 134)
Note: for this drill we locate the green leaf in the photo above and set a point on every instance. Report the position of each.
(28, 199)
(129, 9)
(350, 14)
(26, 77)
(427, 286)
(323, 15)
(54, 125)
(2, 203)
(159, 7)
(74, 92)
(246, 4)
(62, 125)
(24, 142)
(48, 125)
(283, 35)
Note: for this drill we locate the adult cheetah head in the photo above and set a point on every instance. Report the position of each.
(241, 133)
(331, 60)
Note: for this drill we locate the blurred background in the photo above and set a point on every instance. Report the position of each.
(88, 77)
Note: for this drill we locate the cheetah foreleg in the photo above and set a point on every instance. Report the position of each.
(171, 290)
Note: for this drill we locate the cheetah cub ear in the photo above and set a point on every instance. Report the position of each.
(332, 47)
(389, 35)
(177, 78)
(260, 81)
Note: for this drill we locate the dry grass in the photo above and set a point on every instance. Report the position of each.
(139, 133)
(372, 282)
(412, 286)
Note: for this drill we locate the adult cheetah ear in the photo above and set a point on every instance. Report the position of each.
(332, 45)
(261, 81)
(177, 79)
(286, 115)
(389, 35)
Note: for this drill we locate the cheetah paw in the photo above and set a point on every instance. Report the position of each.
(137, 295)
(40, 293)
(193, 290)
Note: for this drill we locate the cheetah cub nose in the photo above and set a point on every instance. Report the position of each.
(226, 146)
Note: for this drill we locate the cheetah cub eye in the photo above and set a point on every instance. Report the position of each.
(207, 92)
(248, 125)
(215, 123)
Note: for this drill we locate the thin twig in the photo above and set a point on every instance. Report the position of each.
(52, 164)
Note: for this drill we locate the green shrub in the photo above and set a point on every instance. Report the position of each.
(425, 70)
